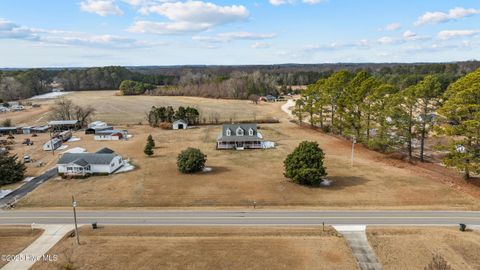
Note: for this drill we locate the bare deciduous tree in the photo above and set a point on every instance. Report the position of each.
(65, 109)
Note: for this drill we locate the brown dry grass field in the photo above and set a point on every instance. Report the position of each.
(115, 109)
(241, 177)
(203, 248)
(413, 248)
(14, 239)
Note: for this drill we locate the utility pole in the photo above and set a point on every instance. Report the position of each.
(74, 205)
(354, 141)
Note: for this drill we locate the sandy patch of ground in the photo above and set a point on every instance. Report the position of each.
(13, 239)
(203, 248)
(413, 248)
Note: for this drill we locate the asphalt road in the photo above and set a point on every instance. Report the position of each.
(257, 217)
(27, 187)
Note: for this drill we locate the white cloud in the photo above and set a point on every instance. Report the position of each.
(284, 2)
(10, 30)
(261, 45)
(170, 28)
(388, 40)
(190, 16)
(450, 34)
(101, 7)
(230, 36)
(392, 27)
(440, 17)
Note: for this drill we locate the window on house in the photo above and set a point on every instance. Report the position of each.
(250, 132)
(239, 132)
(229, 132)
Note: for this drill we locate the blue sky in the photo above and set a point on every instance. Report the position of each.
(66, 33)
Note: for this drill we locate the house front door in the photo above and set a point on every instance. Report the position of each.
(239, 144)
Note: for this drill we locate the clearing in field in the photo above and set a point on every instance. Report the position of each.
(203, 248)
(413, 248)
(14, 239)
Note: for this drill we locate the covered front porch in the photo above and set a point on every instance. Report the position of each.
(240, 145)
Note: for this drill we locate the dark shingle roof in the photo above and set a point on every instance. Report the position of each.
(234, 138)
(90, 158)
(105, 150)
(81, 162)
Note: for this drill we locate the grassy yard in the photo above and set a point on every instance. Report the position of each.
(203, 248)
(413, 248)
(240, 177)
(14, 239)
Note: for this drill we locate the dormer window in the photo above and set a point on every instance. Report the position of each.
(239, 131)
(229, 132)
(250, 132)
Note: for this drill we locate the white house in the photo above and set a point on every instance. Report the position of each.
(180, 124)
(81, 164)
(111, 135)
(52, 144)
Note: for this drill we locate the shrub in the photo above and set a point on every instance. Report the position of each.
(438, 263)
(191, 160)
(165, 125)
(305, 164)
(327, 128)
(379, 145)
(6, 123)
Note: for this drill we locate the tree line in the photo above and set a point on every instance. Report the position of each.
(158, 115)
(391, 117)
(22, 84)
(236, 82)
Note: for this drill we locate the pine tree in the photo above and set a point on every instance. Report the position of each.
(462, 111)
(150, 141)
(148, 150)
(11, 170)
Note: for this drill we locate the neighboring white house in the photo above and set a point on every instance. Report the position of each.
(52, 144)
(180, 124)
(111, 135)
(81, 164)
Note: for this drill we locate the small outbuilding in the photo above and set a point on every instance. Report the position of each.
(8, 130)
(95, 129)
(61, 125)
(180, 124)
(52, 144)
(111, 135)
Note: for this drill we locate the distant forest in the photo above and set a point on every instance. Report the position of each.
(234, 82)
